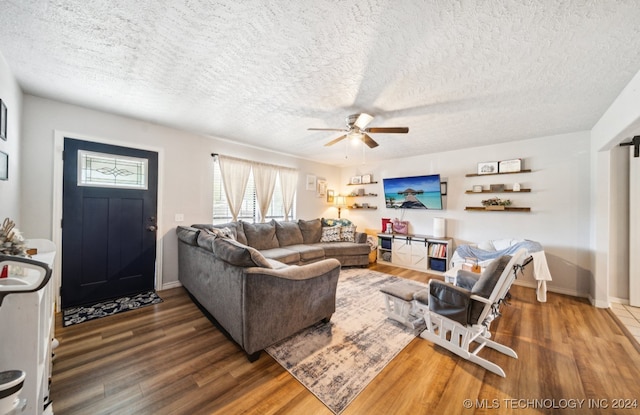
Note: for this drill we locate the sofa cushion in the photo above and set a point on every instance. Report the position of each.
(340, 249)
(261, 235)
(330, 234)
(311, 230)
(490, 276)
(188, 234)
(288, 233)
(308, 253)
(282, 254)
(235, 253)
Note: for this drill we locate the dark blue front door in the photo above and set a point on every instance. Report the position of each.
(108, 228)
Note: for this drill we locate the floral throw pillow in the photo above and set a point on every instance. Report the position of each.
(348, 233)
(330, 234)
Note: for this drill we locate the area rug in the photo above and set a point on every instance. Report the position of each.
(337, 360)
(75, 315)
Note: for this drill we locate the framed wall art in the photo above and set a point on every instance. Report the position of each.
(330, 196)
(4, 166)
(311, 182)
(356, 180)
(321, 191)
(3, 120)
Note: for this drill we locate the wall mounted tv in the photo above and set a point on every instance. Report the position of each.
(417, 192)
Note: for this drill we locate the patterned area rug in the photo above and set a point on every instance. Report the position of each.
(337, 360)
(75, 315)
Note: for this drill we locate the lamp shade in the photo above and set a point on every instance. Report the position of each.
(340, 201)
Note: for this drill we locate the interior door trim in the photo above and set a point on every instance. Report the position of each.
(56, 230)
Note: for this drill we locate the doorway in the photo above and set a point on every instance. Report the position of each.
(109, 221)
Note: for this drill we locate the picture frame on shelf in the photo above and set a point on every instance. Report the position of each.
(496, 187)
(3, 120)
(356, 180)
(330, 196)
(4, 166)
(366, 178)
(311, 182)
(488, 167)
(510, 166)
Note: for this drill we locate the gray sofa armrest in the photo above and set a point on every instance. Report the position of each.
(281, 302)
(360, 238)
(449, 301)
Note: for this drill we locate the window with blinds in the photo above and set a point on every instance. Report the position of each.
(249, 211)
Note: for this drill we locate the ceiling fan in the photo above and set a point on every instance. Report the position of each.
(356, 128)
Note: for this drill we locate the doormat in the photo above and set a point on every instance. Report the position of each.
(335, 361)
(76, 315)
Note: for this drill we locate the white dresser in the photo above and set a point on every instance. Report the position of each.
(27, 325)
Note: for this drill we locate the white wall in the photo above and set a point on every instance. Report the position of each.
(559, 200)
(609, 224)
(11, 95)
(186, 172)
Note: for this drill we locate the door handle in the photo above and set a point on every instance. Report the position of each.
(151, 228)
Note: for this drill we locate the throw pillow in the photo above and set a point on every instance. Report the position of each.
(288, 233)
(330, 234)
(336, 222)
(237, 254)
(261, 235)
(348, 233)
(311, 230)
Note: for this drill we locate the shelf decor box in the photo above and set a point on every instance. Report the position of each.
(438, 264)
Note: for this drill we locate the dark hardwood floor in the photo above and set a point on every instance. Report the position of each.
(169, 359)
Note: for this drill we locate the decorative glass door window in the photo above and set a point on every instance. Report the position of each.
(111, 170)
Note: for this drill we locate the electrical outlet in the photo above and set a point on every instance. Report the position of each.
(179, 217)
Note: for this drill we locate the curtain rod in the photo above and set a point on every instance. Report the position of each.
(214, 155)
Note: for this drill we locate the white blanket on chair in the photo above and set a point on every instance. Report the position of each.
(534, 249)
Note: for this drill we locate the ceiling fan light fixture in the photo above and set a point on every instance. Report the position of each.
(363, 120)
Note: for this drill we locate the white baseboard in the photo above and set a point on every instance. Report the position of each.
(557, 290)
(172, 284)
(624, 301)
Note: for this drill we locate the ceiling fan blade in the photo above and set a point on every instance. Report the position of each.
(332, 142)
(363, 120)
(327, 129)
(388, 130)
(369, 141)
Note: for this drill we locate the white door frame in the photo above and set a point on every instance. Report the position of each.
(56, 231)
(634, 229)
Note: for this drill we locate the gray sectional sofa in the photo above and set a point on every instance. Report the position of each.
(264, 282)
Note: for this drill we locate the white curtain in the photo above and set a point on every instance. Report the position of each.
(264, 177)
(235, 175)
(289, 183)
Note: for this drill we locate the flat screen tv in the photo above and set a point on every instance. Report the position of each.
(417, 192)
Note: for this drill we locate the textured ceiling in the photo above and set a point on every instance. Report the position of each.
(457, 73)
